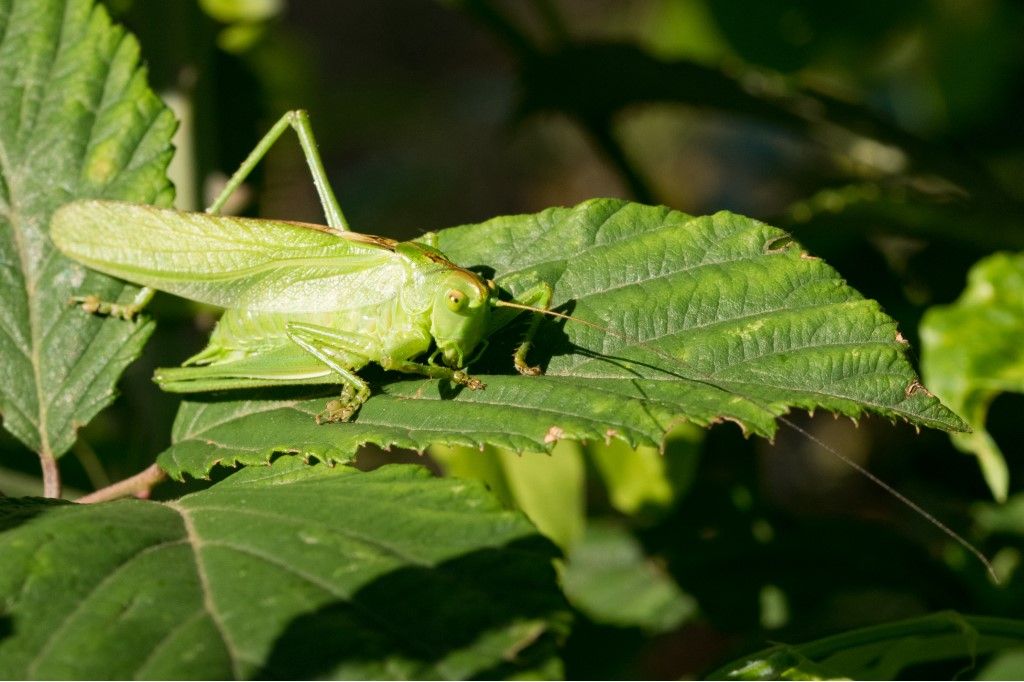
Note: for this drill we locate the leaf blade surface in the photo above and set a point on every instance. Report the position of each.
(76, 119)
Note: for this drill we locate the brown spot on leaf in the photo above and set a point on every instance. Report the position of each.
(553, 434)
(916, 387)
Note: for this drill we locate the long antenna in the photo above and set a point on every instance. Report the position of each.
(814, 439)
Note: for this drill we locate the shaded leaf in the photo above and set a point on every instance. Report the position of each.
(697, 319)
(287, 571)
(881, 652)
(608, 578)
(972, 351)
(76, 120)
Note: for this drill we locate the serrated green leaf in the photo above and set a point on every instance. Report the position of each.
(881, 652)
(76, 120)
(973, 350)
(708, 319)
(288, 571)
(607, 577)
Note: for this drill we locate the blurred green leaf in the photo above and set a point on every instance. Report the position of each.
(282, 571)
(247, 11)
(973, 350)
(1007, 517)
(881, 652)
(790, 34)
(76, 120)
(647, 480)
(608, 578)
(548, 488)
(16, 484)
(1008, 665)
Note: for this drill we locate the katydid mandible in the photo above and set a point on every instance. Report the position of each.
(305, 304)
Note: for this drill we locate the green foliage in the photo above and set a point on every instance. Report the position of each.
(286, 571)
(648, 481)
(882, 652)
(76, 120)
(972, 351)
(608, 578)
(301, 570)
(698, 319)
(550, 490)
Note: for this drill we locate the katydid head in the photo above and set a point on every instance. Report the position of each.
(458, 319)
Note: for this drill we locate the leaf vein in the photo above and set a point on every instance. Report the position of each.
(340, 530)
(204, 585)
(162, 642)
(65, 622)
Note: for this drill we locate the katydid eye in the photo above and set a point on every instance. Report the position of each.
(455, 300)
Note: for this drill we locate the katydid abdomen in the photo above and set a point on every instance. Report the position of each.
(250, 348)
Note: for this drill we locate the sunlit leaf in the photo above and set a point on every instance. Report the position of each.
(76, 120)
(683, 319)
(549, 489)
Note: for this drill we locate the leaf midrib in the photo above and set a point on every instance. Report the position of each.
(196, 542)
(33, 353)
(116, 570)
(29, 282)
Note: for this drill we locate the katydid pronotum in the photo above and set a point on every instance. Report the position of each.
(307, 304)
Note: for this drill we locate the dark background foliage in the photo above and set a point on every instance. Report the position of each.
(886, 136)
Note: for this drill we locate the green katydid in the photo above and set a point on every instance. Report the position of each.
(308, 304)
(305, 304)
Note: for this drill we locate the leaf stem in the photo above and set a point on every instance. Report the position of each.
(141, 482)
(51, 474)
